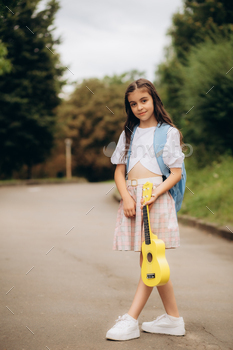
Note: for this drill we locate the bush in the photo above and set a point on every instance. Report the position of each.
(208, 86)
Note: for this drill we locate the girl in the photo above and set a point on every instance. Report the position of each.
(144, 107)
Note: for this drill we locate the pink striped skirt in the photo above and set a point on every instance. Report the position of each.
(129, 232)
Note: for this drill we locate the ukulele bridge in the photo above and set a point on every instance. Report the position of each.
(150, 275)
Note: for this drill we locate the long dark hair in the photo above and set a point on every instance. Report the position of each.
(161, 114)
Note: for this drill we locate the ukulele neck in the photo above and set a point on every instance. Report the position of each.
(146, 220)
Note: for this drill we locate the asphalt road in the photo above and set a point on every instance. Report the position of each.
(62, 285)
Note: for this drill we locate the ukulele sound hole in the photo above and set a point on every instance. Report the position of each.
(149, 257)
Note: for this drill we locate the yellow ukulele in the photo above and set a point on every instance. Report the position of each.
(155, 270)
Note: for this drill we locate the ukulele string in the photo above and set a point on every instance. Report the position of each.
(146, 226)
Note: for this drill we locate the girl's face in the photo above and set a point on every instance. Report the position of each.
(142, 106)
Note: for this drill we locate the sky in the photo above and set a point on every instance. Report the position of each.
(107, 37)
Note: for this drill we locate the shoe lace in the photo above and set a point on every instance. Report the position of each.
(160, 317)
(121, 322)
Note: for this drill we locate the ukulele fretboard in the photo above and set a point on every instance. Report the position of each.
(146, 225)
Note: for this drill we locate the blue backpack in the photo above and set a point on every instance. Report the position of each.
(160, 136)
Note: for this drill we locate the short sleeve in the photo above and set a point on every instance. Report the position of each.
(118, 154)
(173, 156)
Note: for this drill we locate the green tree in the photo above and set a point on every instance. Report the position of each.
(208, 86)
(29, 92)
(168, 81)
(200, 20)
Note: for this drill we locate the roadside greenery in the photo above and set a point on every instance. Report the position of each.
(14, 182)
(208, 86)
(212, 187)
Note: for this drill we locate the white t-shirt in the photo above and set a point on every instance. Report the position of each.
(143, 150)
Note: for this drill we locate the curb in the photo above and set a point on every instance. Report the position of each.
(187, 220)
(213, 228)
(41, 182)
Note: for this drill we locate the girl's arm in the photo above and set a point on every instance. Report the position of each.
(165, 186)
(129, 204)
(119, 178)
(172, 179)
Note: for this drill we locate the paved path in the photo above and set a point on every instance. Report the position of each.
(69, 287)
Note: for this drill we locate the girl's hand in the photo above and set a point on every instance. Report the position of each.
(129, 206)
(154, 196)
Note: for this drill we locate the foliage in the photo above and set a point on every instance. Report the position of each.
(197, 59)
(209, 187)
(168, 83)
(200, 20)
(209, 89)
(5, 65)
(29, 92)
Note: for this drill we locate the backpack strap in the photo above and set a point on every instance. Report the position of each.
(160, 139)
(129, 151)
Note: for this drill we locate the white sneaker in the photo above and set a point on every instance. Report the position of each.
(165, 324)
(126, 328)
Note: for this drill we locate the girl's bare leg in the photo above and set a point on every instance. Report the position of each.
(141, 296)
(167, 295)
(143, 292)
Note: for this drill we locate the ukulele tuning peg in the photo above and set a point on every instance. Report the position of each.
(146, 196)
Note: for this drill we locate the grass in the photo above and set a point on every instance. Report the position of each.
(212, 187)
(108, 181)
(41, 181)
